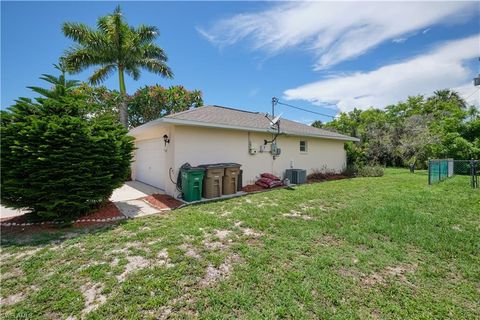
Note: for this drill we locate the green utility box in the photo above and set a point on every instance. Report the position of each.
(192, 181)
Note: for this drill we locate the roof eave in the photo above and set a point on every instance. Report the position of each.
(226, 126)
(145, 127)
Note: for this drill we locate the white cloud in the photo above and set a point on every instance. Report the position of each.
(443, 67)
(333, 31)
(399, 40)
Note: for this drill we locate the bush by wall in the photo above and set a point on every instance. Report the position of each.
(360, 170)
(57, 160)
(370, 171)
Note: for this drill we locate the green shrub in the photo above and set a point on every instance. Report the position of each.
(57, 160)
(360, 170)
(370, 171)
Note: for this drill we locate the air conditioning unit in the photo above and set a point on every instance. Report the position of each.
(296, 176)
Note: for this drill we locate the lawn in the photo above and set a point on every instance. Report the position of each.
(389, 247)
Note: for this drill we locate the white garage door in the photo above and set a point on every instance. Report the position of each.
(150, 162)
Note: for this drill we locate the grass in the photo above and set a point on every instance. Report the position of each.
(388, 247)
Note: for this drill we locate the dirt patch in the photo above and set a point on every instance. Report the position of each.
(214, 245)
(330, 240)
(21, 254)
(457, 228)
(162, 201)
(15, 273)
(398, 272)
(215, 274)
(92, 293)
(127, 246)
(297, 215)
(345, 272)
(251, 233)
(163, 259)
(12, 299)
(134, 263)
(190, 251)
(222, 234)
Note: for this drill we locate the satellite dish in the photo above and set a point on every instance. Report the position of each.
(275, 120)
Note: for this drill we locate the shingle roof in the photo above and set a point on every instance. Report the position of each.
(217, 116)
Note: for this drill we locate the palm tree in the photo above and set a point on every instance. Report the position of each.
(447, 95)
(115, 46)
(60, 85)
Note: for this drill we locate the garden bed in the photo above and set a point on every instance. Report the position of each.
(163, 201)
(313, 178)
(108, 213)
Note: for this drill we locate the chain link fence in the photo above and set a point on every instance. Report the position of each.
(441, 169)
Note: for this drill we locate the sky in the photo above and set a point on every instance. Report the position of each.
(328, 57)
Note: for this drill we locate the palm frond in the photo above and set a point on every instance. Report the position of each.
(153, 51)
(133, 72)
(146, 34)
(78, 32)
(156, 66)
(80, 58)
(101, 74)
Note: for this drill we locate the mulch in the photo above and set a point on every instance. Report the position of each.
(326, 178)
(256, 188)
(162, 201)
(106, 214)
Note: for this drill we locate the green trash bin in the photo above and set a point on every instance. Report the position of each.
(192, 180)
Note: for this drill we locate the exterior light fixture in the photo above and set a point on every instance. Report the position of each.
(166, 139)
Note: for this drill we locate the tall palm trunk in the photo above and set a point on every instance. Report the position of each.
(123, 97)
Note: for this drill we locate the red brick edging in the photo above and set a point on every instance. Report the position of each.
(24, 224)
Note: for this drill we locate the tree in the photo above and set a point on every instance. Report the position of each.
(317, 124)
(115, 46)
(60, 85)
(153, 102)
(57, 162)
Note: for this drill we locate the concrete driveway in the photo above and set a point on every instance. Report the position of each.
(125, 198)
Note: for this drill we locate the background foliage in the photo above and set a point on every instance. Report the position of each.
(152, 102)
(411, 131)
(146, 104)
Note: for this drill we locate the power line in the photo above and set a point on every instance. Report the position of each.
(475, 91)
(306, 110)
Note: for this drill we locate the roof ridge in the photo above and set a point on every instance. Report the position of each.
(181, 112)
(315, 128)
(234, 109)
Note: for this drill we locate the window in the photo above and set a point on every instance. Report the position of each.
(303, 146)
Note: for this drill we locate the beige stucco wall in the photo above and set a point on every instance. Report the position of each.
(157, 133)
(197, 145)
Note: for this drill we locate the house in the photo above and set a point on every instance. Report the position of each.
(213, 134)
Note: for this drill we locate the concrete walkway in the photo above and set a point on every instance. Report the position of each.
(132, 190)
(127, 199)
(9, 213)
